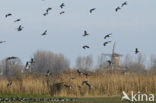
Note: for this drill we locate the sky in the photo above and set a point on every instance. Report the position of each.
(134, 26)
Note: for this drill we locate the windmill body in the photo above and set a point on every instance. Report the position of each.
(115, 59)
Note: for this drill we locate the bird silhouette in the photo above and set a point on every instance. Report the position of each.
(68, 86)
(62, 5)
(123, 4)
(117, 9)
(136, 51)
(17, 20)
(86, 83)
(44, 33)
(8, 15)
(27, 66)
(2, 42)
(62, 12)
(107, 36)
(9, 84)
(48, 73)
(79, 73)
(85, 33)
(48, 10)
(109, 62)
(20, 28)
(85, 47)
(32, 61)
(105, 43)
(91, 10)
(85, 74)
(9, 58)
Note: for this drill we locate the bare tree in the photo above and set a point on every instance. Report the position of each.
(88, 62)
(84, 63)
(14, 67)
(153, 64)
(102, 61)
(128, 60)
(138, 65)
(46, 60)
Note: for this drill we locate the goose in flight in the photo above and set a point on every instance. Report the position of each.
(123, 4)
(91, 10)
(109, 62)
(78, 71)
(85, 46)
(27, 66)
(20, 28)
(85, 74)
(105, 43)
(9, 58)
(17, 20)
(9, 84)
(117, 9)
(85, 33)
(8, 15)
(62, 5)
(48, 73)
(136, 51)
(2, 42)
(48, 10)
(32, 61)
(62, 12)
(107, 36)
(44, 33)
(86, 83)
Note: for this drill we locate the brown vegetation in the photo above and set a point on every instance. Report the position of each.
(102, 84)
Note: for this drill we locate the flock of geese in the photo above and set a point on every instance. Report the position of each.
(62, 5)
(47, 11)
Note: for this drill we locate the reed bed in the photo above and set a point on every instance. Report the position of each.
(107, 84)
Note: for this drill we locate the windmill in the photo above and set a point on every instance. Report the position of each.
(115, 58)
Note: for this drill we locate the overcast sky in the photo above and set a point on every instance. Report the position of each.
(133, 26)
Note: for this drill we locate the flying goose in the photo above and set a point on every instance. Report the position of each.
(108, 35)
(125, 3)
(48, 10)
(85, 46)
(8, 15)
(136, 51)
(62, 12)
(118, 8)
(17, 20)
(20, 28)
(105, 43)
(9, 84)
(9, 58)
(44, 33)
(85, 33)
(62, 5)
(91, 10)
(2, 42)
(27, 66)
(109, 62)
